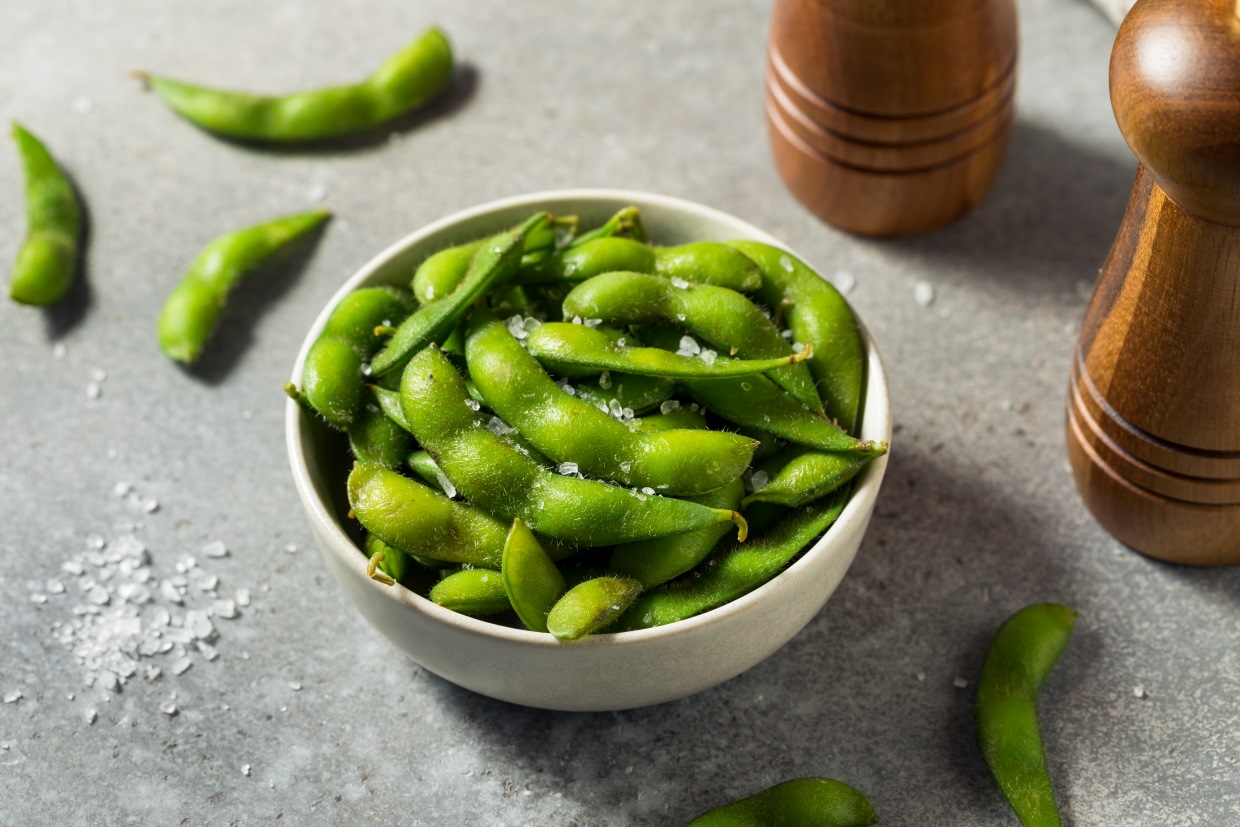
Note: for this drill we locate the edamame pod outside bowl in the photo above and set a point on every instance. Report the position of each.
(601, 671)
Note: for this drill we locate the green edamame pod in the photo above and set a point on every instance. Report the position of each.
(591, 606)
(658, 560)
(801, 802)
(756, 402)
(493, 265)
(673, 416)
(376, 440)
(332, 378)
(385, 559)
(495, 476)
(576, 350)
(423, 464)
(402, 83)
(47, 260)
(617, 393)
(531, 579)
(734, 571)
(476, 592)
(422, 522)
(798, 476)
(724, 318)
(701, 262)
(1023, 653)
(570, 430)
(818, 314)
(194, 306)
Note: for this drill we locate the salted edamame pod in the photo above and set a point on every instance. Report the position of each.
(376, 439)
(576, 350)
(494, 475)
(797, 476)
(591, 605)
(801, 802)
(733, 571)
(402, 83)
(570, 430)
(1022, 655)
(531, 579)
(477, 592)
(700, 262)
(413, 518)
(816, 312)
(493, 265)
(47, 260)
(723, 318)
(193, 308)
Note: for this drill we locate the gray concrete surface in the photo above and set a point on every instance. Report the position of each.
(306, 716)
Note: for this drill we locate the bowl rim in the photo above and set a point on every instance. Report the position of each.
(876, 404)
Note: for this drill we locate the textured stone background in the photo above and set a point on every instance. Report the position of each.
(978, 515)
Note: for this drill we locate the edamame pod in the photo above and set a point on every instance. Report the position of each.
(724, 318)
(818, 314)
(570, 430)
(576, 350)
(194, 306)
(801, 802)
(656, 561)
(618, 393)
(47, 260)
(476, 592)
(673, 415)
(1023, 653)
(332, 378)
(422, 522)
(591, 606)
(376, 440)
(402, 83)
(734, 571)
(495, 476)
(531, 579)
(700, 262)
(493, 265)
(799, 476)
(756, 402)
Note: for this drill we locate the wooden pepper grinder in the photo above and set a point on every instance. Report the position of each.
(889, 117)
(1154, 399)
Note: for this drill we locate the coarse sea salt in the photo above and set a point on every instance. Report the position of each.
(923, 293)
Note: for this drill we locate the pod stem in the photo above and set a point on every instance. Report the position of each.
(372, 569)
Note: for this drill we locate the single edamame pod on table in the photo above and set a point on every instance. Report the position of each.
(493, 475)
(193, 308)
(332, 378)
(493, 265)
(574, 350)
(801, 802)
(818, 314)
(47, 261)
(531, 579)
(734, 571)
(418, 521)
(1023, 653)
(700, 262)
(570, 430)
(402, 83)
(591, 605)
(723, 318)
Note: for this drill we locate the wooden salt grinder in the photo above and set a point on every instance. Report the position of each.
(1154, 399)
(889, 117)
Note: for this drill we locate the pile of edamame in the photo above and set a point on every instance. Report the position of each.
(577, 432)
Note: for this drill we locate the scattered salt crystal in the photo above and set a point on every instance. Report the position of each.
(38, 598)
(499, 427)
(179, 667)
(208, 651)
(759, 480)
(152, 674)
(567, 468)
(290, 548)
(921, 676)
(199, 624)
(169, 592)
(99, 595)
(226, 609)
(121, 489)
(615, 408)
(90, 715)
(669, 406)
(626, 466)
(627, 413)
(317, 193)
(688, 347)
(168, 708)
(530, 324)
(621, 342)
(516, 326)
(243, 597)
(109, 681)
(13, 697)
(245, 770)
(93, 391)
(567, 388)
(72, 567)
(786, 263)
(449, 489)
(648, 490)
(604, 380)
(923, 293)
(215, 548)
(98, 374)
(59, 351)
(798, 347)
(960, 683)
(576, 320)
(150, 506)
(677, 281)
(1139, 692)
(295, 686)
(593, 322)
(160, 617)
(83, 106)
(845, 281)
(709, 356)
(208, 583)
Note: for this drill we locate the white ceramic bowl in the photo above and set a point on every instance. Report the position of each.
(601, 672)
